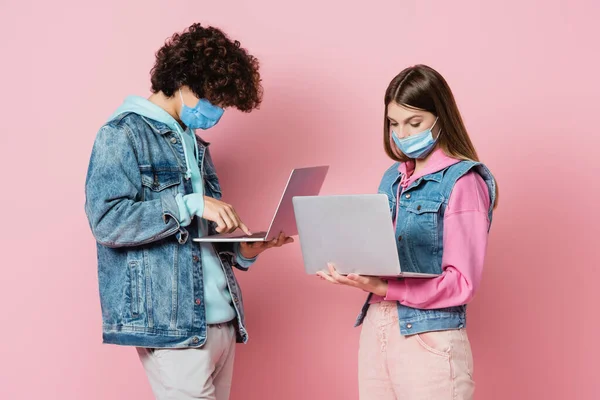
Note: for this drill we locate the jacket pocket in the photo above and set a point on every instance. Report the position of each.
(156, 182)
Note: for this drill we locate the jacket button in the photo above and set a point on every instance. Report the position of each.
(195, 258)
(198, 302)
(418, 208)
(407, 196)
(408, 326)
(400, 238)
(195, 339)
(173, 140)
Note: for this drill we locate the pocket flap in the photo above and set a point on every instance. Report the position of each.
(424, 206)
(160, 180)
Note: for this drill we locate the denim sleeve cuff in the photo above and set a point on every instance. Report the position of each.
(184, 214)
(170, 209)
(241, 260)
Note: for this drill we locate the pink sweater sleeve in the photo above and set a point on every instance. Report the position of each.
(465, 241)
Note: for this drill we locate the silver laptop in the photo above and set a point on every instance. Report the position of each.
(302, 182)
(353, 232)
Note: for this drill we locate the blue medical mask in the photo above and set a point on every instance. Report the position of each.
(417, 146)
(203, 116)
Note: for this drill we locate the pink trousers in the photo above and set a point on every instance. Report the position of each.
(426, 366)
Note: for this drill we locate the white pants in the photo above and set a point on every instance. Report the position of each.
(195, 373)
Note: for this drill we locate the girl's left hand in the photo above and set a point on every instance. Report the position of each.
(370, 284)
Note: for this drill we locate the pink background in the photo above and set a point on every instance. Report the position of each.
(525, 75)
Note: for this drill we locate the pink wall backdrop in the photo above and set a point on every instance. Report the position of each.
(525, 74)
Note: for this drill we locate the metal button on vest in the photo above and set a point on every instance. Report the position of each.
(198, 302)
(409, 326)
(195, 339)
(408, 196)
(195, 258)
(173, 140)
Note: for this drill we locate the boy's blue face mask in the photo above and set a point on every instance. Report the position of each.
(417, 146)
(203, 116)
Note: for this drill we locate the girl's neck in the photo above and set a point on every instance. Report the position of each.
(422, 163)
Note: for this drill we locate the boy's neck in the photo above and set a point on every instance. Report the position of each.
(170, 104)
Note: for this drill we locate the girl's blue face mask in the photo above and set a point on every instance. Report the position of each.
(203, 116)
(417, 146)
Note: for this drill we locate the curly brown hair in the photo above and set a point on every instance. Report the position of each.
(213, 66)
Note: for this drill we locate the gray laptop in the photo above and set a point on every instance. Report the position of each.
(353, 232)
(302, 182)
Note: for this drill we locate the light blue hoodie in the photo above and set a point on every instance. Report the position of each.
(218, 304)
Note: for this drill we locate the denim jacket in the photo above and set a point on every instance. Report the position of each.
(149, 270)
(421, 227)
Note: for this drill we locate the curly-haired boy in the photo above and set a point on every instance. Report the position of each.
(151, 184)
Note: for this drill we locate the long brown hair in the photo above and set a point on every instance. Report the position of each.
(423, 88)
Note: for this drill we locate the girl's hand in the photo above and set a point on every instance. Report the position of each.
(371, 284)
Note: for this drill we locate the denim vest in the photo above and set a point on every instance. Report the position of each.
(420, 237)
(149, 270)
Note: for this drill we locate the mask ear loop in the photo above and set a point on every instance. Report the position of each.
(181, 97)
(434, 123)
(432, 126)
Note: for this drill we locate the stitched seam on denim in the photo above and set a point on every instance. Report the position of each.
(148, 287)
(161, 187)
(150, 240)
(150, 331)
(134, 288)
(238, 311)
(409, 254)
(132, 140)
(435, 237)
(394, 182)
(426, 318)
(174, 289)
(180, 162)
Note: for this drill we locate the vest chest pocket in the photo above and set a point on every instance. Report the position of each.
(421, 207)
(156, 183)
(423, 232)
